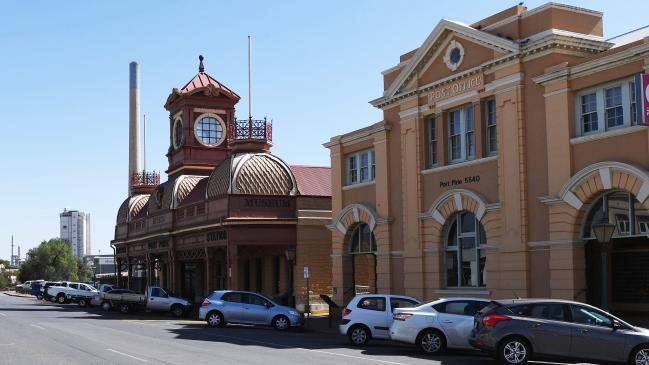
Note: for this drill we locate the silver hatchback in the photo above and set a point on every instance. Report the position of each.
(232, 306)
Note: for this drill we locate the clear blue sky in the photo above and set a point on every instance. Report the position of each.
(64, 94)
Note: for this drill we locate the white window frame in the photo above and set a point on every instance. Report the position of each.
(431, 139)
(600, 99)
(491, 150)
(464, 134)
(370, 173)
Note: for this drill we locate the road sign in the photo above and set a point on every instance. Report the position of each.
(306, 272)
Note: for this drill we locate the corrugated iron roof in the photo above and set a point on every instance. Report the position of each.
(203, 80)
(312, 180)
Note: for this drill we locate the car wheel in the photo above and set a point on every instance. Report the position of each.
(358, 335)
(431, 342)
(215, 319)
(514, 350)
(124, 308)
(82, 303)
(106, 306)
(60, 299)
(640, 356)
(281, 323)
(177, 310)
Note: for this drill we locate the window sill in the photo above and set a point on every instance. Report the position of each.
(459, 165)
(608, 134)
(464, 291)
(359, 185)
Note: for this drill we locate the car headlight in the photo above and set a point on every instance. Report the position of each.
(293, 313)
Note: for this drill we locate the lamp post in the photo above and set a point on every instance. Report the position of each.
(290, 260)
(604, 232)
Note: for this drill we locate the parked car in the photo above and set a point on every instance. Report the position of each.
(83, 294)
(435, 326)
(26, 286)
(105, 288)
(229, 306)
(369, 316)
(155, 299)
(36, 288)
(58, 293)
(519, 330)
(44, 291)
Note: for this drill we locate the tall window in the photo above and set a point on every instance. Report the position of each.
(606, 107)
(432, 142)
(178, 133)
(465, 252)
(361, 167)
(491, 135)
(614, 115)
(589, 113)
(361, 240)
(634, 111)
(461, 128)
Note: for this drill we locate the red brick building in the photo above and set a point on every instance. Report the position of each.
(231, 215)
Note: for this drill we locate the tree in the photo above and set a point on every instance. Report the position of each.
(51, 260)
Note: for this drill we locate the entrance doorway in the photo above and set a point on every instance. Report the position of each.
(359, 264)
(628, 264)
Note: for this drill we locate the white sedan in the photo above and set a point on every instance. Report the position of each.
(435, 326)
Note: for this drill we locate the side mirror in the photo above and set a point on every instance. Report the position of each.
(268, 305)
(617, 326)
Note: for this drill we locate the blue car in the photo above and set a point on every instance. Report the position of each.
(241, 307)
(36, 289)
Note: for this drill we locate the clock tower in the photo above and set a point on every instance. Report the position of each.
(199, 115)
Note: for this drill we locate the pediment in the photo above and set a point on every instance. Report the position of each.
(434, 60)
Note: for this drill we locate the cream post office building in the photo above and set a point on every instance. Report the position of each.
(501, 143)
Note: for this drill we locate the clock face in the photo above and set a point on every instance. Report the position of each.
(178, 133)
(209, 130)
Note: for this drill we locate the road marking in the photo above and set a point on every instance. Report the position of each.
(310, 350)
(127, 355)
(7, 344)
(2, 314)
(37, 326)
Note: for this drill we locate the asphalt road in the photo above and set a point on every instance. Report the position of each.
(35, 332)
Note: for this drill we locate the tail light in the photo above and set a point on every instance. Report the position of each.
(206, 302)
(346, 312)
(492, 320)
(401, 316)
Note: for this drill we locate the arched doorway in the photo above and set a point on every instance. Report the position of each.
(361, 261)
(465, 254)
(628, 263)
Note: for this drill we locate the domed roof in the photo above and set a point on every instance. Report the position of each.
(183, 186)
(161, 197)
(253, 174)
(131, 207)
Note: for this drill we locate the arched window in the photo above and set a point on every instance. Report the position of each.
(361, 240)
(622, 209)
(465, 252)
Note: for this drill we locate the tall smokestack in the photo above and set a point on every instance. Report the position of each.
(133, 123)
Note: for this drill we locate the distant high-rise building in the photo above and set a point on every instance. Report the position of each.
(75, 230)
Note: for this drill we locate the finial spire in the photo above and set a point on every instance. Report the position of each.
(201, 67)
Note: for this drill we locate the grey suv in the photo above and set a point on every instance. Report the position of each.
(232, 306)
(519, 330)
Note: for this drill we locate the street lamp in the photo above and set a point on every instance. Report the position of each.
(290, 260)
(603, 233)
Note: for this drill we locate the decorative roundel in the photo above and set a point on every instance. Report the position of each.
(454, 55)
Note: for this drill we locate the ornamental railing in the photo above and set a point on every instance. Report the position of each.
(251, 130)
(145, 178)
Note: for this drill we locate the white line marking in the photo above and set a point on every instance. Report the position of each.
(37, 326)
(310, 350)
(2, 314)
(7, 344)
(127, 355)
